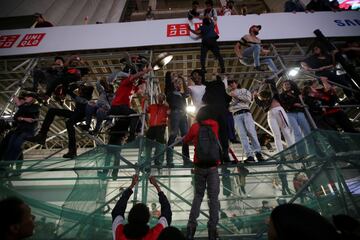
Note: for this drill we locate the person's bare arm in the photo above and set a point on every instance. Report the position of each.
(197, 32)
(26, 119)
(237, 50)
(18, 101)
(357, 49)
(326, 84)
(306, 67)
(164, 202)
(140, 74)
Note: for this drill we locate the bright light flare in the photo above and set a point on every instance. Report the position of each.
(293, 72)
(190, 109)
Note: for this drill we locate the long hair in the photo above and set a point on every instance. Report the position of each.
(294, 87)
(169, 86)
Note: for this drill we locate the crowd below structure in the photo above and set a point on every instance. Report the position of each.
(222, 113)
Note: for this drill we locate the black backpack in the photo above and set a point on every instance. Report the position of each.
(208, 148)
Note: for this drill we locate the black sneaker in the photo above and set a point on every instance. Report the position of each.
(250, 159)
(40, 139)
(259, 157)
(70, 155)
(84, 127)
(94, 132)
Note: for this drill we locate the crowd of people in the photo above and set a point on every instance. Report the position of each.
(223, 108)
(286, 221)
(226, 100)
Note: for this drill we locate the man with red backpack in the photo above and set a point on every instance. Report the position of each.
(204, 135)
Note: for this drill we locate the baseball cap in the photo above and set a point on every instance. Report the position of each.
(258, 26)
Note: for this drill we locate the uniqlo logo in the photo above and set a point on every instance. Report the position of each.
(7, 41)
(178, 30)
(31, 40)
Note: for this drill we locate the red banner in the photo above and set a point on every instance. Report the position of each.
(31, 40)
(7, 41)
(181, 30)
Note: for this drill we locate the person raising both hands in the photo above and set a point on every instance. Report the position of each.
(137, 225)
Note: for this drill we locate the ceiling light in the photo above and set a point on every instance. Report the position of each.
(161, 60)
(293, 72)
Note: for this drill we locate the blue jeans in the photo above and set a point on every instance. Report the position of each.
(244, 125)
(301, 128)
(14, 147)
(178, 121)
(206, 178)
(299, 124)
(252, 54)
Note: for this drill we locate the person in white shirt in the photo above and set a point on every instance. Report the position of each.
(197, 90)
(244, 123)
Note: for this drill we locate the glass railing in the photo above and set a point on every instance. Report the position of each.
(73, 199)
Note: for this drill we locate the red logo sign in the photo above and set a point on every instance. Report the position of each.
(177, 30)
(31, 40)
(7, 41)
(180, 30)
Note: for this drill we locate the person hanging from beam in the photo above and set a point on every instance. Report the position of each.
(209, 42)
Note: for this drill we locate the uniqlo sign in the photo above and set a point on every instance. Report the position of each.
(7, 41)
(31, 40)
(180, 30)
(177, 30)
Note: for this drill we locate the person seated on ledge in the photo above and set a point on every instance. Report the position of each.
(253, 50)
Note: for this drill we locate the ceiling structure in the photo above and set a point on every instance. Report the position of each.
(78, 12)
(165, 9)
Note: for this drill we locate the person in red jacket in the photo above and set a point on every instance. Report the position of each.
(121, 104)
(158, 120)
(204, 178)
(137, 223)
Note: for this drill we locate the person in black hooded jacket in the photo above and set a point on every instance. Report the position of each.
(139, 216)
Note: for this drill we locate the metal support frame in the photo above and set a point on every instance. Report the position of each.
(138, 168)
(31, 64)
